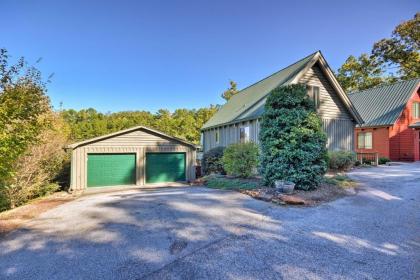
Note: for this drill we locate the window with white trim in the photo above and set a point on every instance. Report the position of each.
(244, 134)
(217, 136)
(364, 140)
(416, 110)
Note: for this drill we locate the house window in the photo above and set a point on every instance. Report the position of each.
(244, 134)
(313, 93)
(217, 136)
(416, 110)
(364, 140)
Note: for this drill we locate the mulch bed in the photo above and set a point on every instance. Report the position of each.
(324, 193)
(12, 219)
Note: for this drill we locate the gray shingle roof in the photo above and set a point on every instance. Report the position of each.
(382, 105)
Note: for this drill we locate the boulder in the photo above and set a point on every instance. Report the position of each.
(292, 199)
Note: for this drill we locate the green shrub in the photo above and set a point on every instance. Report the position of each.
(341, 160)
(384, 160)
(212, 161)
(4, 202)
(293, 144)
(240, 159)
(367, 161)
(48, 189)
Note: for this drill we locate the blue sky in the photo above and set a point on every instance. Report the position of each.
(146, 55)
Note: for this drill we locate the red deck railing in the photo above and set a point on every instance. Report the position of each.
(368, 158)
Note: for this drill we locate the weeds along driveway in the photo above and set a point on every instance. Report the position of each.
(199, 233)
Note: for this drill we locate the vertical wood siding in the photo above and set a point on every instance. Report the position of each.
(229, 134)
(138, 142)
(340, 134)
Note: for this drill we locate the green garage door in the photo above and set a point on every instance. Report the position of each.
(111, 169)
(165, 167)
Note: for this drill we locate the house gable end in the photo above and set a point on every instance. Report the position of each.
(331, 105)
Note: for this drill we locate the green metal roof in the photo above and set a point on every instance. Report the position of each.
(382, 105)
(249, 96)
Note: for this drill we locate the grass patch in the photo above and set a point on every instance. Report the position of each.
(340, 180)
(225, 183)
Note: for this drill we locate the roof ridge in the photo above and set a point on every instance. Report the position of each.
(124, 131)
(385, 85)
(269, 76)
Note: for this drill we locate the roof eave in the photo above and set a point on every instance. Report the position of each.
(374, 125)
(121, 132)
(414, 125)
(230, 123)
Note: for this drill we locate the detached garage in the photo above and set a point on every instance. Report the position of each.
(135, 156)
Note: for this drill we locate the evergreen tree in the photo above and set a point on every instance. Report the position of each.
(231, 91)
(293, 144)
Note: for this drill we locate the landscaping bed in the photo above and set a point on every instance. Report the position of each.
(333, 187)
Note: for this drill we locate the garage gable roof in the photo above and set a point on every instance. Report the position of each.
(248, 103)
(121, 132)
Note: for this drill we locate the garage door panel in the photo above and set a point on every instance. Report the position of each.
(111, 169)
(165, 167)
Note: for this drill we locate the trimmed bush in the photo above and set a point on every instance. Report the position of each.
(384, 160)
(240, 159)
(293, 144)
(341, 160)
(212, 161)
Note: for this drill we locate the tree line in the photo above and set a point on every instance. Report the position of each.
(182, 123)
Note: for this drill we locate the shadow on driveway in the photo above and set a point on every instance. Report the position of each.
(199, 233)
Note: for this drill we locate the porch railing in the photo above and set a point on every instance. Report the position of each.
(368, 158)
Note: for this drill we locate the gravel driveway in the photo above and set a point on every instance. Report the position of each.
(198, 233)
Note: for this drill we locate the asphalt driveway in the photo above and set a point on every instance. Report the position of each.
(198, 233)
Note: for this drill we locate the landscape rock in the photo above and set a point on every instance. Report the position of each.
(265, 196)
(292, 199)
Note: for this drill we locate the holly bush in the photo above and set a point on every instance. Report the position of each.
(293, 144)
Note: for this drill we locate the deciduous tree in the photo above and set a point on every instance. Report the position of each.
(359, 73)
(402, 50)
(391, 59)
(23, 103)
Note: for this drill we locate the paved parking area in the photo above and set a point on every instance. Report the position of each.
(198, 233)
